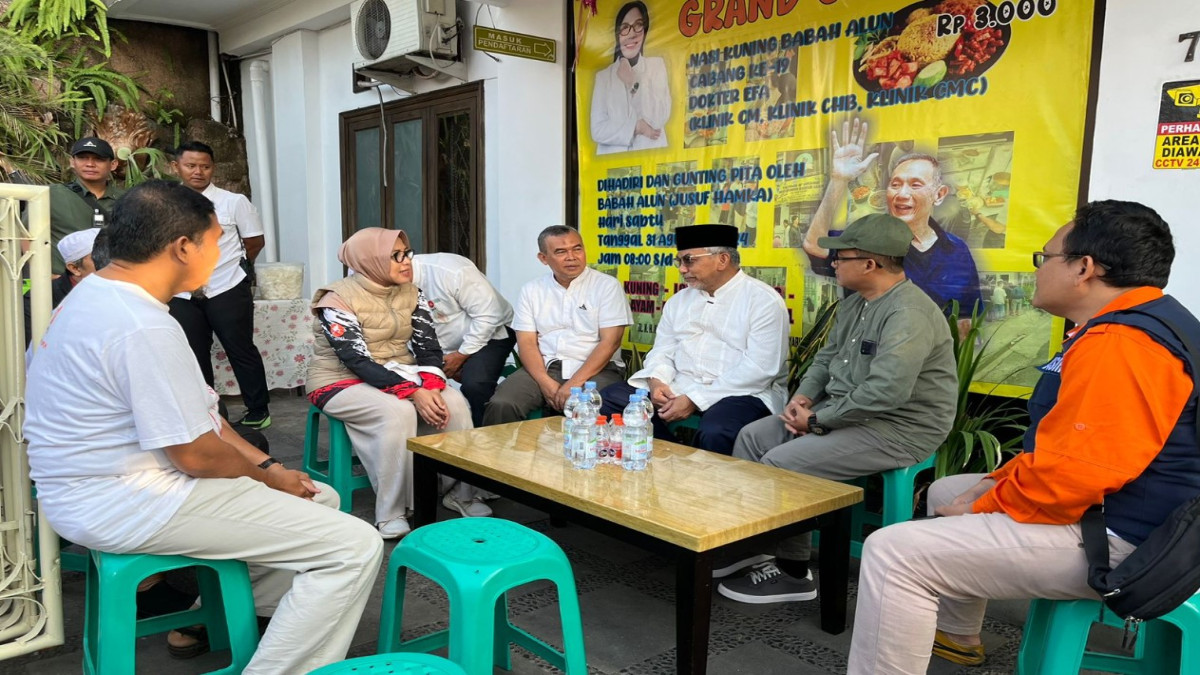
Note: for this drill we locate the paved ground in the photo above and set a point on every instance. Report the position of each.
(627, 604)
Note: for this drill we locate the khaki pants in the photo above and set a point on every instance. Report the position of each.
(311, 565)
(519, 395)
(379, 425)
(923, 575)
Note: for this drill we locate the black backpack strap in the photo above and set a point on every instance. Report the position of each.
(1095, 546)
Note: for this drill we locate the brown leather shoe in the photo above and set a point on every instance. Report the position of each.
(964, 655)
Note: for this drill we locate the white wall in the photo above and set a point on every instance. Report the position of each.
(524, 139)
(1141, 51)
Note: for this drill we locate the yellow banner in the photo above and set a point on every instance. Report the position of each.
(790, 118)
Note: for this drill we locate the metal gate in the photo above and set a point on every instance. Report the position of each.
(31, 614)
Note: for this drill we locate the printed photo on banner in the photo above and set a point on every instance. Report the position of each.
(632, 100)
(789, 120)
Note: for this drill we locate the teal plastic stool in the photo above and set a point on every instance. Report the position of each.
(535, 415)
(690, 422)
(338, 470)
(1056, 633)
(111, 628)
(393, 664)
(898, 488)
(477, 561)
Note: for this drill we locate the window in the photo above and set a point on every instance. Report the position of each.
(418, 167)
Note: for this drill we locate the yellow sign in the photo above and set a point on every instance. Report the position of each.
(1178, 141)
(789, 119)
(515, 44)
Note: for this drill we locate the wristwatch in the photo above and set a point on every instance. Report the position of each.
(815, 426)
(268, 463)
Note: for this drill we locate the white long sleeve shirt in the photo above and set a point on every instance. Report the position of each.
(467, 310)
(730, 343)
(616, 108)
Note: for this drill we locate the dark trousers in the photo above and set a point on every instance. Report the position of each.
(231, 316)
(719, 425)
(481, 373)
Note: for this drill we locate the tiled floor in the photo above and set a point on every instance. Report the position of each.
(627, 605)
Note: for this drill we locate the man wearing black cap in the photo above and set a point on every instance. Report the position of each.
(75, 206)
(720, 349)
(880, 395)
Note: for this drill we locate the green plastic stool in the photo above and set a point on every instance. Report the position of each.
(690, 422)
(111, 628)
(393, 664)
(898, 488)
(338, 470)
(477, 561)
(1056, 633)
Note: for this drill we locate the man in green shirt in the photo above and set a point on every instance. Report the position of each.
(879, 395)
(74, 205)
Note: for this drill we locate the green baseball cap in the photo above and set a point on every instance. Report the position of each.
(879, 233)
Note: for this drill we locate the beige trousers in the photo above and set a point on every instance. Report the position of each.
(923, 575)
(379, 426)
(311, 565)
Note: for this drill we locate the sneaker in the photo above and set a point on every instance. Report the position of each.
(394, 528)
(954, 652)
(487, 496)
(472, 508)
(256, 420)
(726, 566)
(766, 583)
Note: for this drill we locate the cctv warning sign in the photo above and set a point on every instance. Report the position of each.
(1178, 144)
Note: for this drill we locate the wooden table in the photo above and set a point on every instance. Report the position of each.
(689, 505)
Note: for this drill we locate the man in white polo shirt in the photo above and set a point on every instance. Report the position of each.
(471, 319)
(227, 305)
(569, 326)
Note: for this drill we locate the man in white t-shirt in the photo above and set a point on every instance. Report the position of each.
(569, 326)
(471, 319)
(129, 455)
(226, 305)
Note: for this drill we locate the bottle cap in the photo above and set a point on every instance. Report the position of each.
(576, 390)
(601, 419)
(589, 385)
(618, 420)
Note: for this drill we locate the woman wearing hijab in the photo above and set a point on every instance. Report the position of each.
(377, 366)
(631, 100)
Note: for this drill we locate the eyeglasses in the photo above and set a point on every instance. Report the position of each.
(689, 260)
(1039, 257)
(638, 27)
(401, 256)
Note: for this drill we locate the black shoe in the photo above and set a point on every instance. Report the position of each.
(256, 420)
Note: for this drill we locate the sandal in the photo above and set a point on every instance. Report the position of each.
(190, 651)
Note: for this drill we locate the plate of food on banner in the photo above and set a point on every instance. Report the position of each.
(912, 53)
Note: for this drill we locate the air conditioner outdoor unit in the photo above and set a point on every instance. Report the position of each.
(388, 32)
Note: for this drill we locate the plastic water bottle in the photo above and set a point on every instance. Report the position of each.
(647, 404)
(616, 429)
(583, 436)
(635, 442)
(593, 395)
(569, 419)
(602, 441)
